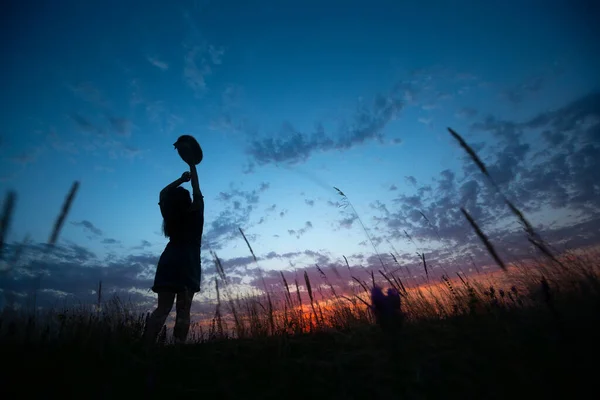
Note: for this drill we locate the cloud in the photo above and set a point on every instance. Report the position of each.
(239, 206)
(121, 126)
(198, 65)
(160, 114)
(299, 232)
(27, 157)
(426, 121)
(110, 241)
(101, 168)
(88, 226)
(158, 63)
(73, 271)
(83, 124)
(348, 221)
(466, 112)
(411, 180)
(143, 244)
(557, 176)
(294, 147)
(216, 54)
(118, 150)
(393, 187)
(88, 92)
(250, 197)
(249, 168)
(59, 144)
(101, 139)
(193, 73)
(335, 204)
(518, 93)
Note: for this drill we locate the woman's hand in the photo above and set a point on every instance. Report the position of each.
(185, 177)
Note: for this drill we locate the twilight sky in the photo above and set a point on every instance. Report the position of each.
(289, 99)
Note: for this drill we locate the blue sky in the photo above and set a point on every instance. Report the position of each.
(289, 99)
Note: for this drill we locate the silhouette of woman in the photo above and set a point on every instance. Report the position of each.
(178, 271)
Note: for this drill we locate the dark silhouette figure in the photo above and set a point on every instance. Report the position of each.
(387, 309)
(178, 271)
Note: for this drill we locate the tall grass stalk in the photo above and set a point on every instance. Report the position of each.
(532, 236)
(347, 202)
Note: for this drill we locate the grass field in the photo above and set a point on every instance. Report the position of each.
(481, 344)
(529, 331)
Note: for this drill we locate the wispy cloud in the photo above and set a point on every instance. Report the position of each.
(552, 178)
(299, 232)
(27, 157)
(466, 112)
(198, 65)
(518, 93)
(294, 147)
(88, 226)
(82, 123)
(60, 144)
(216, 54)
(143, 244)
(158, 63)
(101, 168)
(74, 271)
(239, 205)
(88, 92)
(121, 126)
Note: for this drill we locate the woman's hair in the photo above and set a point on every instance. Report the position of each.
(175, 206)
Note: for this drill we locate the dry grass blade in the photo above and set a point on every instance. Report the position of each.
(308, 286)
(488, 245)
(347, 201)
(310, 296)
(219, 266)
(262, 277)
(372, 278)
(336, 272)
(288, 295)
(339, 192)
(387, 278)
(248, 244)
(321, 272)
(395, 259)
(533, 237)
(361, 284)
(99, 299)
(63, 214)
(298, 292)
(472, 154)
(347, 264)
(7, 214)
(422, 256)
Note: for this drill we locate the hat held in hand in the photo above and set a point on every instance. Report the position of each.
(189, 149)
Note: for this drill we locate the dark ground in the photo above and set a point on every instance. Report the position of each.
(504, 353)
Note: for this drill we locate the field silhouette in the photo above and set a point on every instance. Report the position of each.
(527, 330)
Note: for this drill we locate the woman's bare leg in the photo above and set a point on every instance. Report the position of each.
(182, 321)
(159, 316)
